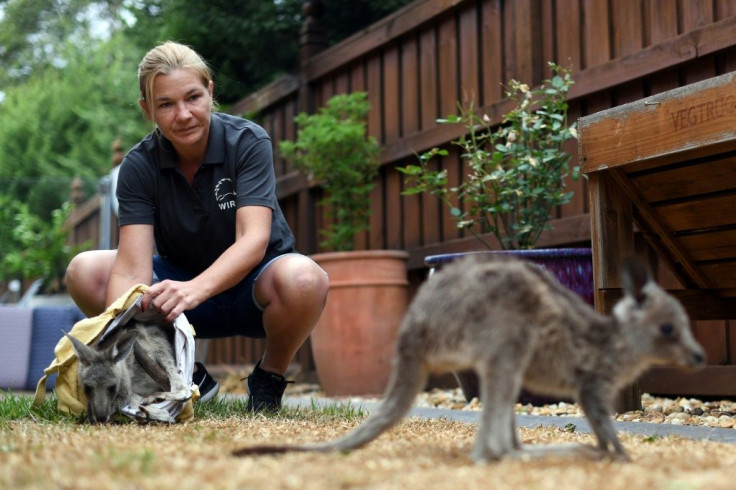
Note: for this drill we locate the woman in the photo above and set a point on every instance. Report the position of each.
(201, 189)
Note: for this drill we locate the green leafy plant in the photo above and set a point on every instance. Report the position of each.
(517, 171)
(652, 438)
(43, 251)
(333, 149)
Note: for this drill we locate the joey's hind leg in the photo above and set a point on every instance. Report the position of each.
(515, 431)
(178, 389)
(595, 401)
(158, 414)
(497, 434)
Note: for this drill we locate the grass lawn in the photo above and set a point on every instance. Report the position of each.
(39, 448)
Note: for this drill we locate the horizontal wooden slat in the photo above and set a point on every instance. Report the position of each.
(709, 381)
(290, 184)
(711, 212)
(688, 180)
(723, 274)
(717, 245)
(271, 94)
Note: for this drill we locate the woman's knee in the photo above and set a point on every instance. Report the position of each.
(308, 276)
(87, 275)
(87, 266)
(299, 278)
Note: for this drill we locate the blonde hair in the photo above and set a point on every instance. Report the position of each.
(163, 60)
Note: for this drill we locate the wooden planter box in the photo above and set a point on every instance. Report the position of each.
(668, 164)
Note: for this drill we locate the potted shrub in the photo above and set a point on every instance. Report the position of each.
(516, 176)
(353, 341)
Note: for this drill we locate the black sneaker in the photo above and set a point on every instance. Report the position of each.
(208, 386)
(265, 390)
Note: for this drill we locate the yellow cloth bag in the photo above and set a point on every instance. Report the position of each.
(70, 396)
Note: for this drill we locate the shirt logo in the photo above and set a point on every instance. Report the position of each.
(225, 194)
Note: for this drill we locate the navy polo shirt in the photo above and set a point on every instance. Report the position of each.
(194, 224)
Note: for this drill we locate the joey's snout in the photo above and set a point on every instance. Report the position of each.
(691, 356)
(697, 358)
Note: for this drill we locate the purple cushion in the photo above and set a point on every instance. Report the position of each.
(48, 323)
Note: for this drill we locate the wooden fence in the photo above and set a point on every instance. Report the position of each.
(418, 63)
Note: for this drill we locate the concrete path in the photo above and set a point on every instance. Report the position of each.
(581, 424)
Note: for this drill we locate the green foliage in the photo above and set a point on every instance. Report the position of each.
(42, 250)
(652, 438)
(516, 173)
(33, 33)
(332, 147)
(9, 208)
(61, 123)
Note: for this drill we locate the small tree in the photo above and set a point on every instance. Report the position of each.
(333, 149)
(517, 172)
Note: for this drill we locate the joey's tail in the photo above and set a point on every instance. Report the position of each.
(408, 378)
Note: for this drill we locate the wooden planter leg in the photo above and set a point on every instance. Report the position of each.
(612, 229)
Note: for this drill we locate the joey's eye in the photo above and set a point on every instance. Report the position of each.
(111, 390)
(667, 330)
(87, 390)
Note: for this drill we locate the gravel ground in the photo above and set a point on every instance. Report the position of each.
(677, 411)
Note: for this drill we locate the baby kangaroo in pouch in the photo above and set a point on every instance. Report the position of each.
(135, 366)
(516, 326)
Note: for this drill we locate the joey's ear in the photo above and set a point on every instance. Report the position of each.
(124, 346)
(635, 275)
(84, 353)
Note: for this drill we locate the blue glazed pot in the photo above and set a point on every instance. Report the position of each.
(573, 267)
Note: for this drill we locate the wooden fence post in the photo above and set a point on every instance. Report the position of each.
(312, 41)
(312, 38)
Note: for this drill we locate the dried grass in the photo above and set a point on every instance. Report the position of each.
(416, 454)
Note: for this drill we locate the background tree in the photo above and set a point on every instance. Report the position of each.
(61, 122)
(33, 33)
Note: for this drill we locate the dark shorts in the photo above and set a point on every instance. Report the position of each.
(232, 312)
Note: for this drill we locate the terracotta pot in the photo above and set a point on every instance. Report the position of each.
(573, 267)
(353, 342)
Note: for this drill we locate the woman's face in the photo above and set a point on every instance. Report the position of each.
(181, 106)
